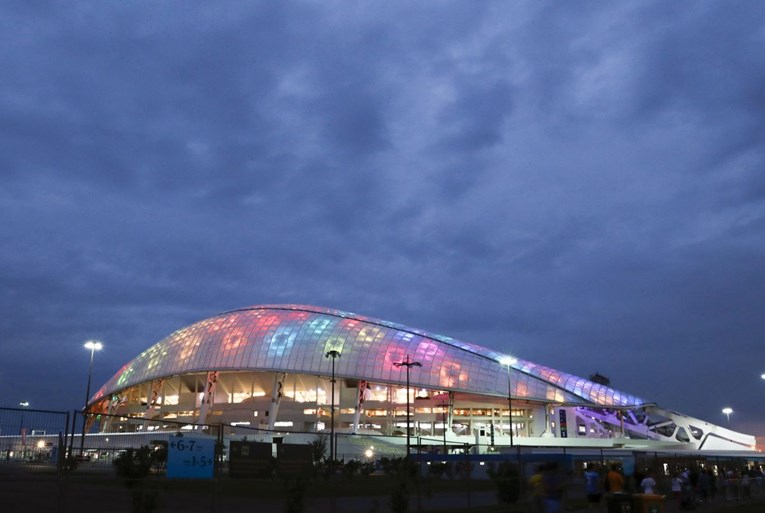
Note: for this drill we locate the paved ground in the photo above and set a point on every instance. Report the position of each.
(47, 494)
(32, 491)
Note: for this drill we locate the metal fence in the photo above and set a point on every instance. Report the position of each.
(68, 445)
(45, 437)
(33, 436)
(103, 437)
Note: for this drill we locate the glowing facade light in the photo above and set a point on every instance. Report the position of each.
(727, 411)
(283, 335)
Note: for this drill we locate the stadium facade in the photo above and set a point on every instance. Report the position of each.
(268, 367)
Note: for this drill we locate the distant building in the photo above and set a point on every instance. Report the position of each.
(600, 379)
(266, 366)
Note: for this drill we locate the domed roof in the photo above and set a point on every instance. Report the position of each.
(296, 338)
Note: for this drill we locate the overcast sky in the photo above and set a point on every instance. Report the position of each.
(580, 184)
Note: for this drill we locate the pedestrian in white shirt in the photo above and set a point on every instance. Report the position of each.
(648, 484)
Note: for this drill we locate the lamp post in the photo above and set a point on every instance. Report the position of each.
(22, 433)
(334, 355)
(727, 411)
(444, 418)
(23, 404)
(509, 361)
(408, 364)
(93, 346)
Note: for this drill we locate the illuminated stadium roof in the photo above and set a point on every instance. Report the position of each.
(295, 339)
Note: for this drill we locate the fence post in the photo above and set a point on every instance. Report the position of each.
(469, 471)
(62, 445)
(60, 452)
(219, 461)
(71, 433)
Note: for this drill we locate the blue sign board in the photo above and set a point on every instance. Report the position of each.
(190, 457)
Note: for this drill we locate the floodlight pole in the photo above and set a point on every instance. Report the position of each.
(22, 434)
(510, 403)
(444, 417)
(23, 404)
(408, 364)
(334, 355)
(93, 346)
(509, 361)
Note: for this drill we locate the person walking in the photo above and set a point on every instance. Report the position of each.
(615, 480)
(537, 489)
(554, 488)
(648, 484)
(677, 489)
(593, 487)
(705, 486)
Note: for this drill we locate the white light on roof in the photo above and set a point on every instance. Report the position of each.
(508, 360)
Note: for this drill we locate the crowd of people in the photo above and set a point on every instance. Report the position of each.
(685, 488)
(696, 486)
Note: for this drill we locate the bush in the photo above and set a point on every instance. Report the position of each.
(351, 468)
(507, 478)
(69, 463)
(406, 474)
(437, 470)
(295, 495)
(318, 449)
(134, 466)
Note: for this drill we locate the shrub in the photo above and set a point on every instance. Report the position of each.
(437, 470)
(134, 466)
(507, 478)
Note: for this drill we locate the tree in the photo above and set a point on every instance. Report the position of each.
(318, 449)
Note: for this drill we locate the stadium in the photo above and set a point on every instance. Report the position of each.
(271, 367)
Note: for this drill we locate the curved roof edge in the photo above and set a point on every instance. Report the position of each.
(308, 330)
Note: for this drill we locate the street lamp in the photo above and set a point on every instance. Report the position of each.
(334, 355)
(94, 346)
(509, 361)
(408, 364)
(444, 418)
(22, 433)
(23, 404)
(727, 411)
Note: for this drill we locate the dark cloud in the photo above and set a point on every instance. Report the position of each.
(579, 185)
